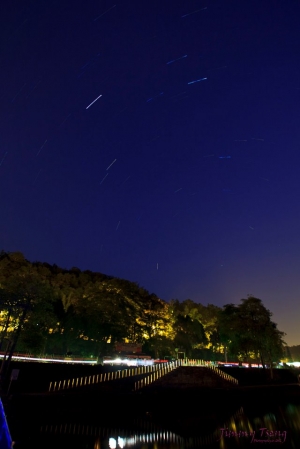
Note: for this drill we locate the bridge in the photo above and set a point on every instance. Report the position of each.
(191, 372)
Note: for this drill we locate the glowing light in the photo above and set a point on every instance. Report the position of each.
(296, 364)
(121, 442)
(128, 361)
(112, 443)
(62, 360)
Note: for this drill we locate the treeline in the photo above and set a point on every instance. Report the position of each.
(49, 310)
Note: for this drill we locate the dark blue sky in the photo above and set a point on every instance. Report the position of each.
(189, 188)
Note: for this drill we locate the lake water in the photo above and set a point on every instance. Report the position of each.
(251, 424)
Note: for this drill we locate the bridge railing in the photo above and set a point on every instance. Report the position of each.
(183, 362)
(105, 377)
(153, 372)
(223, 375)
(211, 365)
(195, 362)
(162, 371)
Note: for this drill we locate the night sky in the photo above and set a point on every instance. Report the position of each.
(158, 142)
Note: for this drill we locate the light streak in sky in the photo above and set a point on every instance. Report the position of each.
(178, 190)
(104, 13)
(224, 157)
(104, 178)
(3, 158)
(37, 176)
(173, 60)
(118, 225)
(111, 164)
(93, 102)
(18, 93)
(178, 95)
(89, 64)
(41, 147)
(152, 98)
(125, 180)
(197, 81)
(33, 89)
(194, 12)
(64, 121)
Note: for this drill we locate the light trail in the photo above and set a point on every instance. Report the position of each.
(105, 12)
(93, 102)
(103, 178)
(41, 147)
(197, 81)
(111, 164)
(41, 359)
(3, 158)
(194, 12)
(177, 59)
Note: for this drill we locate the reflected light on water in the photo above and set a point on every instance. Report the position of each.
(112, 443)
(97, 444)
(275, 424)
(278, 427)
(121, 442)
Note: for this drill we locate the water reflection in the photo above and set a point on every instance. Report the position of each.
(277, 426)
(254, 423)
(274, 425)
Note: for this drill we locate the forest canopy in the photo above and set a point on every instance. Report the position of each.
(45, 309)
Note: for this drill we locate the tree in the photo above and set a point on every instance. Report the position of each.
(28, 304)
(189, 331)
(248, 331)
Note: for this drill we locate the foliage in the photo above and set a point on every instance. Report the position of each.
(189, 331)
(48, 309)
(83, 312)
(249, 333)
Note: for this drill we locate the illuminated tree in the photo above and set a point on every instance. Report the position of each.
(28, 305)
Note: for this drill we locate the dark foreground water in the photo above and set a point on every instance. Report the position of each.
(251, 423)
